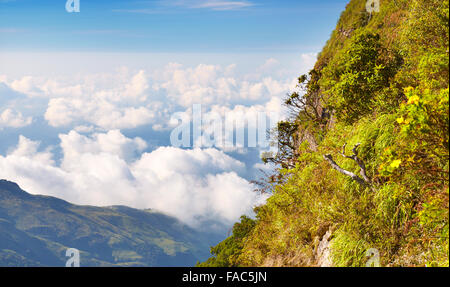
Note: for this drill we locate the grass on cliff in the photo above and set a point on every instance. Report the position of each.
(384, 77)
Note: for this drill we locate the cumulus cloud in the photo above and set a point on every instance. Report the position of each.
(212, 85)
(125, 99)
(10, 118)
(95, 163)
(25, 85)
(114, 142)
(269, 64)
(29, 149)
(97, 111)
(110, 169)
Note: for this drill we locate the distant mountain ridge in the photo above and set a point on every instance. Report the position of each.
(37, 230)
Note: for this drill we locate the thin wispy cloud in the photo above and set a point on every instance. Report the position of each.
(160, 7)
(98, 32)
(142, 11)
(222, 5)
(11, 30)
(117, 33)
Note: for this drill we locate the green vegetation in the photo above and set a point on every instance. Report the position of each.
(226, 252)
(381, 82)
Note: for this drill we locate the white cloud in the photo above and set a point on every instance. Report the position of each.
(270, 64)
(100, 112)
(10, 118)
(84, 129)
(136, 87)
(104, 169)
(29, 149)
(113, 142)
(308, 60)
(214, 85)
(100, 166)
(124, 100)
(26, 85)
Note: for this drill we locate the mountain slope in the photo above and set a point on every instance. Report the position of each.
(380, 88)
(37, 230)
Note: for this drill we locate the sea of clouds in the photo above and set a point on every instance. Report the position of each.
(93, 162)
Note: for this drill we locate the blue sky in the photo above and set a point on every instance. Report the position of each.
(168, 26)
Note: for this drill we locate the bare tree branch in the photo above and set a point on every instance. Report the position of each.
(334, 165)
(360, 163)
(365, 179)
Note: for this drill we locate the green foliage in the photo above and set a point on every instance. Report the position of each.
(286, 138)
(384, 79)
(355, 76)
(427, 26)
(423, 139)
(348, 251)
(227, 251)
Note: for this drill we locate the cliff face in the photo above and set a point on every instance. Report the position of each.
(369, 171)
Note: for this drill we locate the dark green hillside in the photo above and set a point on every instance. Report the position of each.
(37, 230)
(364, 162)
